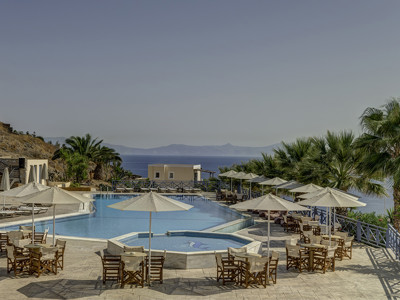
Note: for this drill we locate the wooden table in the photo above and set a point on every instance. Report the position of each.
(133, 254)
(311, 248)
(38, 246)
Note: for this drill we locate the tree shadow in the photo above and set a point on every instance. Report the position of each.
(64, 289)
(384, 266)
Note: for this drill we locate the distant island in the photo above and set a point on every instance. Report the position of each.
(185, 150)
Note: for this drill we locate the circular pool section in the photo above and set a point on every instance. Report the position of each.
(186, 241)
(185, 249)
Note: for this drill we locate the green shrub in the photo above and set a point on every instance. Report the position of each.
(370, 218)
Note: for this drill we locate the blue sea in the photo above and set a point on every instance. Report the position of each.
(137, 164)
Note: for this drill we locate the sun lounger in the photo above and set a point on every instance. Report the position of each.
(144, 190)
(154, 189)
(120, 190)
(162, 190)
(171, 190)
(187, 190)
(8, 213)
(129, 190)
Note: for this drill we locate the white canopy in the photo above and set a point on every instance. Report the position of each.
(24, 190)
(308, 188)
(274, 181)
(327, 189)
(151, 202)
(53, 196)
(332, 198)
(230, 173)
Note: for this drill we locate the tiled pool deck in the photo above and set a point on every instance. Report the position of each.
(371, 274)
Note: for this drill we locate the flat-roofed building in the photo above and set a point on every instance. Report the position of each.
(174, 172)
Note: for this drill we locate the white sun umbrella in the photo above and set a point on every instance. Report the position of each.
(269, 202)
(308, 188)
(55, 196)
(32, 175)
(5, 184)
(331, 198)
(238, 175)
(228, 174)
(151, 202)
(274, 182)
(45, 173)
(249, 176)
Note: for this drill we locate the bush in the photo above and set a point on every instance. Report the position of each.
(370, 218)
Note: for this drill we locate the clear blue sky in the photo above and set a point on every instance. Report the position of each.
(152, 73)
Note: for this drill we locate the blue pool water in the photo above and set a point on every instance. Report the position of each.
(108, 223)
(186, 242)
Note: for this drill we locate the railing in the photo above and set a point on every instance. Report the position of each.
(205, 185)
(393, 240)
(363, 232)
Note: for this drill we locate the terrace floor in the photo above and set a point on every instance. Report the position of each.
(371, 274)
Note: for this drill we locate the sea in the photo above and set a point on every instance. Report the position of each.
(137, 164)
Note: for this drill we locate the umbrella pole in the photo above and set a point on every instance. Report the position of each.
(269, 233)
(33, 224)
(250, 189)
(54, 224)
(326, 220)
(330, 230)
(231, 184)
(262, 190)
(149, 270)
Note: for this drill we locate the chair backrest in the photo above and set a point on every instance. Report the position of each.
(22, 227)
(343, 235)
(301, 226)
(15, 235)
(257, 264)
(326, 243)
(218, 259)
(315, 239)
(134, 249)
(48, 253)
(132, 263)
(291, 242)
(331, 251)
(233, 251)
(274, 255)
(316, 217)
(61, 244)
(293, 250)
(10, 252)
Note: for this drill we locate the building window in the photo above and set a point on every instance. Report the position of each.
(157, 175)
(171, 175)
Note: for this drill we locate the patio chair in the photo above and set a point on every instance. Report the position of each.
(132, 270)
(233, 251)
(297, 258)
(255, 271)
(60, 244)
(348, 247)
(111, 267)
(41, 237)
(324, 259)
(43, 259)
(273, 266)
(3, 241)
(157, 267)
(16, 262)
(289, 226)
(134, 249)
(227, 270)
(315, 239)
(316, 230)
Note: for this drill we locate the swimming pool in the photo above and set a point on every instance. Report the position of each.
(107, 223)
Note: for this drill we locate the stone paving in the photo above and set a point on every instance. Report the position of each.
(371, 274)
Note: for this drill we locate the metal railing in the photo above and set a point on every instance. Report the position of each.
(393, 240)
(136, 185)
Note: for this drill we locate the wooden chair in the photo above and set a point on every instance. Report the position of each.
(43, 259)
(156, 267)
(3, 241)
(347, 250)
(227, 270)
(255, 271)
(132, 270)
(297, 258)
(41, 237)
(60, 244)
(273, 266)
(315, 239)
(111, 267)
(12, 236)
(18, 263)
(289, 226)
(324, 259)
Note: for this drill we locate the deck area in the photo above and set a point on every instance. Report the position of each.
(371, 274)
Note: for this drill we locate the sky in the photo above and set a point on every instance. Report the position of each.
(153, 73)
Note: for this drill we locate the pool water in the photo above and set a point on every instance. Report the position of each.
(186, 242)
(107, 222)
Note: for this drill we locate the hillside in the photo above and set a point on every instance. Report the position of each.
(15, 145)
(186, 150)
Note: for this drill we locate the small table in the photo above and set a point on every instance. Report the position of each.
(133, 254)
(311, 248)
(38, 246)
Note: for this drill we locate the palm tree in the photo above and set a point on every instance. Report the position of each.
(103, 157)
(380, 144)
